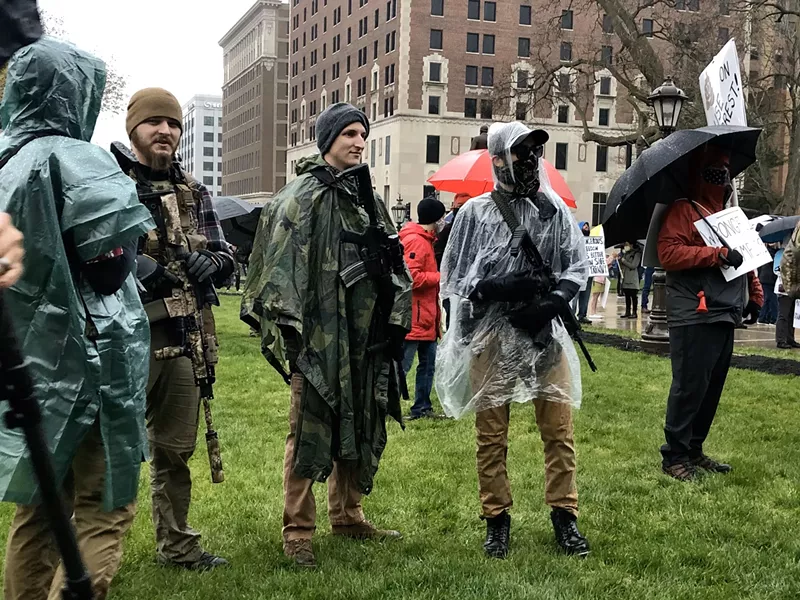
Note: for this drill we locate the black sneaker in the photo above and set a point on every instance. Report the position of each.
(709, 464)
(206, 562)
(584, 321)
(498, 535)
(565, 525)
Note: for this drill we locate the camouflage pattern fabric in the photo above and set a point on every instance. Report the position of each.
(294, 284)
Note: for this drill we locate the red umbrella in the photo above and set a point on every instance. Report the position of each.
(471, 173)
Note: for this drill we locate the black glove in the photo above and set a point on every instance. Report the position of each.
(734, 259)
(751, 312)
(202, 265)
(518, 286)
(155, 278)
(539, 313)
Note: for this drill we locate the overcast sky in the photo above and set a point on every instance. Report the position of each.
(172, 44)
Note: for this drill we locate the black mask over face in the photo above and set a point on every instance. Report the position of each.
(716, 175)
(525, 178)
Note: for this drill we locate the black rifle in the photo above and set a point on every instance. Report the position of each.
(521, 240)
(382, 256)
(16, 388)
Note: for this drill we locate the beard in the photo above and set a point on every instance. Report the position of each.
(157, 161)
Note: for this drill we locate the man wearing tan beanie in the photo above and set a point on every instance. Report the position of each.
(153, 123)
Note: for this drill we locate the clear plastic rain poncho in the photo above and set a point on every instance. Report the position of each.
(483, 361)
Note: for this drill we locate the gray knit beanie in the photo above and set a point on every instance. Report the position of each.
(333, 120)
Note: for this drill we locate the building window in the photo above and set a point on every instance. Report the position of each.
(724, 7)
(436, 39)
(473, 41)
(471, 77)
(522, 79)
(566, 19)
(564, 84)
(608, 24)
(524, 47)
(486, 109)
(219, 121)
(522, 111)
(474, 9)
(387, 153)
(563, 114)
(432, 149)
(490, 11)
(488, 44)
(208, 166)
(605, 86)
(208, 151)
(606, 55)
(208, 180)
(470, 107)
(566, 51)
(433, 105)
(487, 76)
(372, 154)
(435, 73)
(437, 8)
(561, 156)
(603, 117)
(647, 27)
(723, 35)
(208, 137)
(208, 121)
(219, 167)
(601, 163)
(219, 181)
(524, 15)
(598, 207)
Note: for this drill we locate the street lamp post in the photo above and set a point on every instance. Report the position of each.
(667, 101)
(399, 212)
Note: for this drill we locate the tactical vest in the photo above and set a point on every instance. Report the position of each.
(189, 198)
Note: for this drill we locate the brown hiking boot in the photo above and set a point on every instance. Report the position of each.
(681, 471)
(300, 552)
(365, 531)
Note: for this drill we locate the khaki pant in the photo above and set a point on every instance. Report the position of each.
(299, 508)
(554, 419)
(173, 411)
(32, 570)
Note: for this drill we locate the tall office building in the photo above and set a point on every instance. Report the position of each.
(255, 103)
(429, 73)
(201, 143)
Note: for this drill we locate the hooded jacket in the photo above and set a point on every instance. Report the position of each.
(294, 287)
(88, 353)
(419, 254)
(692, 266)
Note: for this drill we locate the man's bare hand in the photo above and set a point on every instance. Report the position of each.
(11, 252)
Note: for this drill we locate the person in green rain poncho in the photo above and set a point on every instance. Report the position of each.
(77, 314)
(312, 321)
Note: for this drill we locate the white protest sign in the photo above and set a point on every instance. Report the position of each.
(733, 226)
(721, 88)
(796, 314)
(596, 253)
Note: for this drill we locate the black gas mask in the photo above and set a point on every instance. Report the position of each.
(523, 175)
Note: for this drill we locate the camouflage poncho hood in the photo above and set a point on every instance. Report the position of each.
(294, 282)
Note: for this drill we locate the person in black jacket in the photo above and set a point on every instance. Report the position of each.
(767, 276)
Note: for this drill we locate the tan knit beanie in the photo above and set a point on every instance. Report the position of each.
(152, 102)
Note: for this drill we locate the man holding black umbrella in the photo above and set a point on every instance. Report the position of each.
(703, 310)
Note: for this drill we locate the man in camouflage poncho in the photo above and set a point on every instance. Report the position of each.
(310, 321)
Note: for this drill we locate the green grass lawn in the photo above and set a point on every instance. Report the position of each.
(652, 538)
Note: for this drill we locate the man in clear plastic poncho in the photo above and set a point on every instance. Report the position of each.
(505, 343)
(77, 314)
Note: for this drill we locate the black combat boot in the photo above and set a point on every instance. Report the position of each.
(565, 525)
(498, 534)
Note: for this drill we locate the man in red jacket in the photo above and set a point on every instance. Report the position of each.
(418, 240)
(702, 311)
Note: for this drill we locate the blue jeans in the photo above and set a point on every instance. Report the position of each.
(769, 312)
(425, 368)
(648, 283)
(583, 299)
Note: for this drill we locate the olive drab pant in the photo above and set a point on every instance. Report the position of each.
(173, 412)
(554, 419)
(32, 570)
(300, 509)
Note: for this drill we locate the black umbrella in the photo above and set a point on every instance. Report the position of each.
(240, 231)
(229, 207)
(777, 229)
(661, 174)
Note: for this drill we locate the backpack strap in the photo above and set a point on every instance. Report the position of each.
(324, 176)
